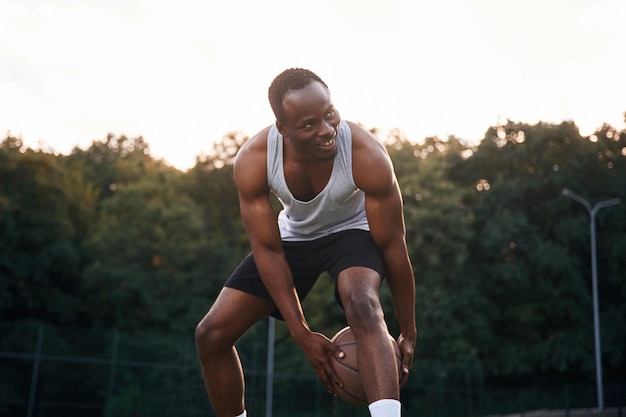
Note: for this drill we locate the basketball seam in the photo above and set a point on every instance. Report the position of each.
(338, 361)
(346, 365)
(360, 400)
(339, 344)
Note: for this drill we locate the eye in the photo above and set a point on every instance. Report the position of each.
(307, 126)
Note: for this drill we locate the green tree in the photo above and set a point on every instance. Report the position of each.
(149, 263)
(449, 305)
(210, 184)
(527, 250)
(44, 214)
(114, 162)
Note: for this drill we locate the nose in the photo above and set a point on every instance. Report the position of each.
(327, 129)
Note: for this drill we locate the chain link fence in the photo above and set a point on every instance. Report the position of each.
(50, 371)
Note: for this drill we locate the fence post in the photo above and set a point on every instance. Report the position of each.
(35, 373)
(483, 402)
(269, 393)
(113, 366)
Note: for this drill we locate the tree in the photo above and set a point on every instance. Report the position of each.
(149, 263)
(439, 226)
(210, 184)
(44, 214)
(115, 162)
(528, 251)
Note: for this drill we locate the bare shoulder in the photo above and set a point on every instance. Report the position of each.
(371, 166)
(254, 147)
(250, 167)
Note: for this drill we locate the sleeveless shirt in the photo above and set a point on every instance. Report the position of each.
(339, 206)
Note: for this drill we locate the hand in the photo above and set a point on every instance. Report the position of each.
(318, 350)
(407, 350)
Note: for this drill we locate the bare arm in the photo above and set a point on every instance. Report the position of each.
(373, 173)
(259, 219)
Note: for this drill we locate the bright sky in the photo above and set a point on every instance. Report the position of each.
(184, 73)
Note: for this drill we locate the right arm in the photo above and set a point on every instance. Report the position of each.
(259, 219)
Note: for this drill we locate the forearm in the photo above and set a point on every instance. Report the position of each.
(401, 283)
(276, 276)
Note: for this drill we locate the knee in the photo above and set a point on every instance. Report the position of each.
(210, 337)
(359, 291)
(363, 309)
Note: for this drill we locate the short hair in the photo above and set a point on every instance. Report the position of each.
(290, 79)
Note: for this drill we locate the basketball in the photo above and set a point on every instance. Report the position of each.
(347, 367)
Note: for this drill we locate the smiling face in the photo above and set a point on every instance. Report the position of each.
(310, 123)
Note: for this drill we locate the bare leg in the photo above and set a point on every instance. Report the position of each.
(216, 335)
(358, 287)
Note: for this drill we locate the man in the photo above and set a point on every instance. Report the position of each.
(342, 214)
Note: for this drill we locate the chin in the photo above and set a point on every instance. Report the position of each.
(327, 154)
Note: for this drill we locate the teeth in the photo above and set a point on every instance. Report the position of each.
(328, 142)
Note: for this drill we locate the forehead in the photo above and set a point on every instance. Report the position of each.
(313, 98)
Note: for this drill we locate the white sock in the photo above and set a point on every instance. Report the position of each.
(385, 408)
(244, 414)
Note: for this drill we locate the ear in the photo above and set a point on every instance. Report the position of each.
(281, 128)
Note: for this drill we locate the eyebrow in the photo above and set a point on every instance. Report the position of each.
(310, 119)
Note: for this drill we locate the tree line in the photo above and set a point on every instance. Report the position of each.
(111, 237)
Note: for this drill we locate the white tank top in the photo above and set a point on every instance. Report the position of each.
(339, 206)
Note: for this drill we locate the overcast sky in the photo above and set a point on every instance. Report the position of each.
(184, 73)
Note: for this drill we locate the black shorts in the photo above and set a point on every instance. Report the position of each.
(309, 259)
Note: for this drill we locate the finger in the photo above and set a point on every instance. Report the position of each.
(339, 353)
(404, 375)
(333, 375)
(327, 376)
(334, 382)
(337, 382)
(326, 380)
(405, 368)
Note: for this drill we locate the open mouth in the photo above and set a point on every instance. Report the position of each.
(328, 142)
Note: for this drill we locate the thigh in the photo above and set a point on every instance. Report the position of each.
(246, 276)
(356, 263)
(358, 282)
(354, 248)
(234, 312)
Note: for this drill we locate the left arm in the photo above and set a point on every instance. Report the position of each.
(373, 173)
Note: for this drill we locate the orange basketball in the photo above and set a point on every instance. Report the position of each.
(347, 367)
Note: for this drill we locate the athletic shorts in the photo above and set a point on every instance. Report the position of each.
(309, 259)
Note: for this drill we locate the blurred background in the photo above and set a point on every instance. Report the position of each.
(119, 220)
(109, 257)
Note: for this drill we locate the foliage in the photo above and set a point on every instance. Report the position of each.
(530, 245)
(148, 246)
(44, 215)
(438, 224)
(110, 237)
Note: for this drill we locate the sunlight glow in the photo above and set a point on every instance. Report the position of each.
(182, 75)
